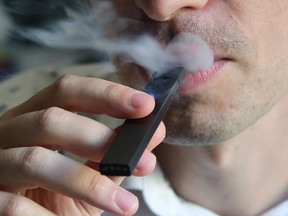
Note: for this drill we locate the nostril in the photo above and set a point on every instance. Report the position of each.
(163, 10)
(159, 17)
(154, 11)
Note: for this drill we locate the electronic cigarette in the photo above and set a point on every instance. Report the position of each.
(135, 134)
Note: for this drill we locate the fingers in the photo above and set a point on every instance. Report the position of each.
(82, 94)
(55, 172)
(56, 128)
(14, 205)
(145, 165)
(158, 136)
(48, 120)
(148, 160)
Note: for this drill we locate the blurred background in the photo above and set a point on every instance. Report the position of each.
(27, 66)
(19, 53)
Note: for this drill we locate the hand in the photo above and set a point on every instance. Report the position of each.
(36, 180)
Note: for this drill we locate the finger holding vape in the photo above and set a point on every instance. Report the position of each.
(88, 95)
(44, 121)
(58, 182)
(55, 129)
(48, 121)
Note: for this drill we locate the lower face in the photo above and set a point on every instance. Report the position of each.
(248, 78)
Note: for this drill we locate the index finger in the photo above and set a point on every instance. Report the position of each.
(91, 95)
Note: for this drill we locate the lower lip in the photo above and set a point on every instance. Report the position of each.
(195, 80)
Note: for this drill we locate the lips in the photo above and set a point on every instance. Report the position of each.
(196, 80)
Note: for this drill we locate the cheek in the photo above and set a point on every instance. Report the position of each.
(267, 25)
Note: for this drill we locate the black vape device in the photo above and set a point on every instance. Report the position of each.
(135, 134)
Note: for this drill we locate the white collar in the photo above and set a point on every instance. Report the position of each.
(160, 197)
(162, 200)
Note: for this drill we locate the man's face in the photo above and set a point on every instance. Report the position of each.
(249, 76)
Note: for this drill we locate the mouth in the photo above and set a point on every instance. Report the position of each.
(193, 79)
(197, 80)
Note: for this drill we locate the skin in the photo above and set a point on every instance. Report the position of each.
(35, 180)
(233, 127)
(228, 135)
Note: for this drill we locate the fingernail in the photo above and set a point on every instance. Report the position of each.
(139, 99)
(126, 201)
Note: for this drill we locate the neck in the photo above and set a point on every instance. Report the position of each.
(245, 174)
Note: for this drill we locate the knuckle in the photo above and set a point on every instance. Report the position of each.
(96, 183)
(64, 81)
(112, 89)
(117, 94)
(48, 118)
(31, 159)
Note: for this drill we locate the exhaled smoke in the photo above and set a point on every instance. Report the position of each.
(95, 29)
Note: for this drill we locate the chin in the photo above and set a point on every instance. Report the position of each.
(201, 129)
(192, 141)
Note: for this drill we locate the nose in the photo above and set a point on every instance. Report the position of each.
(163, 10)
